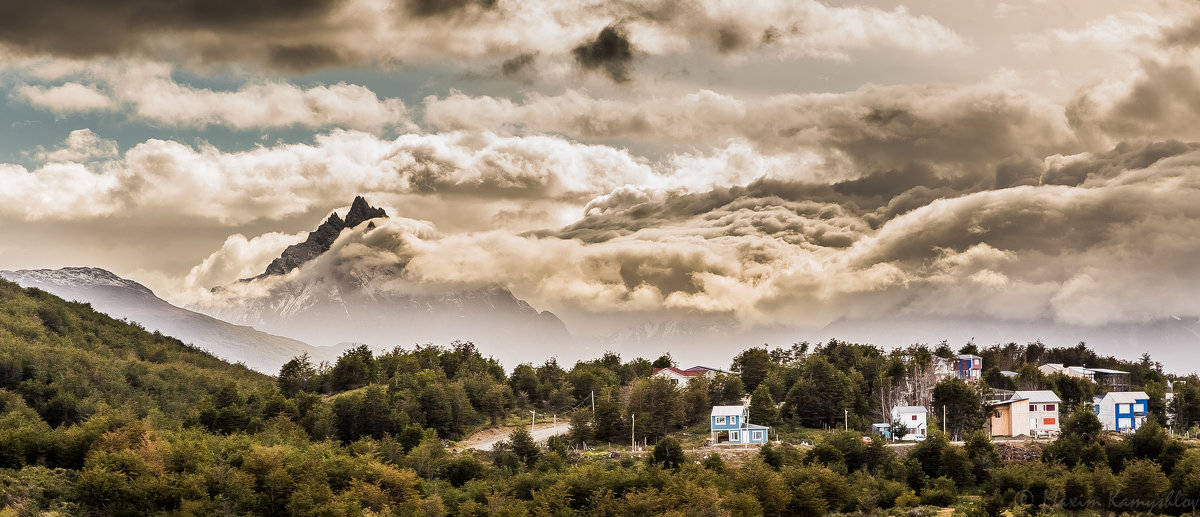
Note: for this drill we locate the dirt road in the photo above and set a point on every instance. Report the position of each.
(485, 439)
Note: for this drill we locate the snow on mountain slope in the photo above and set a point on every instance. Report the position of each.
(126, 299)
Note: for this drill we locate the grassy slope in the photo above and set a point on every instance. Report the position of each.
(68, 361)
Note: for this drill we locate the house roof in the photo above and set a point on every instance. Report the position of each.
(1007, 373)
(728, 410)
(755, 427)
(968, 356)
(704, 369)
(690, 372)
(1106, 370)
(910, 409)
(1127, 397)
(1036, 396)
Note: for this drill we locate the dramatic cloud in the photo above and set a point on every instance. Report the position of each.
(1074, 254)
(166, 176)
(873, 127)
(239, 258)
(611, 52)
(323, 33)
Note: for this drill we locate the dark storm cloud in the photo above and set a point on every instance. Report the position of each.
(303, 57)
(427, 8)
(106, 27)
(1125, 156)
(610, 52)
(519, 67)
(1163, 101)
(1186, 34)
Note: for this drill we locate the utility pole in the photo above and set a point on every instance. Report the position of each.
(532, 421)
(632, 428)
(593, 403)
(846, 418)
(943, 419)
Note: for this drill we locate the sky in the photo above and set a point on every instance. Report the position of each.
(777, 163)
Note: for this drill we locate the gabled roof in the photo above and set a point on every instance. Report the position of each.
(728, 410)
(910, 409)
(704, 369)
(1126, 397)
(1036, 396)
(690, 372)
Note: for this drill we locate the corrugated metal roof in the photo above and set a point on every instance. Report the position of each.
(1105, 370)
(1126, 397)
(1037, 396)
(728, 410)
(910, 409)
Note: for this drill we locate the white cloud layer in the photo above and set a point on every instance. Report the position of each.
(146, 92)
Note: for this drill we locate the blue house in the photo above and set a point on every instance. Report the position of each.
(1122, 410)
(729, 424)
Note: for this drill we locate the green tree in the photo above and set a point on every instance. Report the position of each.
(668, 453)
(580, 431)
(663, 361)
(762, 407)
(523, 446)
(1082, 422)
(658, 404)
(753, 364)
(963, 406)
(297, 375)
(354, 369)
(820, 394)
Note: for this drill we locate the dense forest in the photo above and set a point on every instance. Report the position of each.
(100, 417)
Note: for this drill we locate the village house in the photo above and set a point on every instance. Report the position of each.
(968, 367)
(1122, 410)
(1026, 413)
(681, 377)
(730, 424)
(915, 419)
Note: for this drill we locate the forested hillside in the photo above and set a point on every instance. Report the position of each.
(99, 417)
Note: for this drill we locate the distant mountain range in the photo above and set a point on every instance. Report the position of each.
(314, 294)
(125, 299)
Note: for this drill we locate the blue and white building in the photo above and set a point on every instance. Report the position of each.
(1122, 410)
(729, 424)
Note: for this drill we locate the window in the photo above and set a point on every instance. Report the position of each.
(914, 417)
(720, 420)
(733, 420)
(1047, 421)
(922, 432)
(733, 436)
(1033, 407)
(1048, 407)
(758, 436)
(978, 363)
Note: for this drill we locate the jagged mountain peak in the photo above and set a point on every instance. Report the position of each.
(320, 240)
(361, 211)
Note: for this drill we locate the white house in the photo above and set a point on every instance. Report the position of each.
(682, 377)
(915, 418)
(1122, 410)
(1044, 407)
